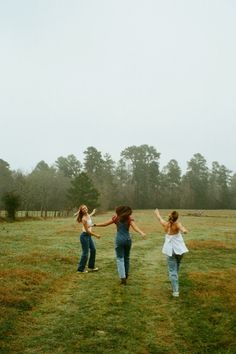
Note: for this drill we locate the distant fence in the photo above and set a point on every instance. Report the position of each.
(38, 214)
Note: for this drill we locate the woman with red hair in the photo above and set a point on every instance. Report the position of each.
(123, 241)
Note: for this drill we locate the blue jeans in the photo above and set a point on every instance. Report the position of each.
(122, 248)
(173, 263)
(87, 244)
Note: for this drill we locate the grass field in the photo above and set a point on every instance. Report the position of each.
(47, 307)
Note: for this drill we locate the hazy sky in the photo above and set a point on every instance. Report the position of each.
(116, 73)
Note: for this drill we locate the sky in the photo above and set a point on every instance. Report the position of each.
(117, 73)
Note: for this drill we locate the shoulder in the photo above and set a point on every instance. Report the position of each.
(165, 223)
(130, 220)
(84, 219)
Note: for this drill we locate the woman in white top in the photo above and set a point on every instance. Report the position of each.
(86, 240)
(174, 246)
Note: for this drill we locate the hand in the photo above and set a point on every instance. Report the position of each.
(98, 236)
(156, 211)
(143, 236)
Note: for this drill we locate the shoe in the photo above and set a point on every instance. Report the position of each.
(93, 269)
(175, 294)
(123, 281)
(82, 271)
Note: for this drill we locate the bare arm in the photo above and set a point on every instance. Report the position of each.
(89, 229)
(137, 229)
(93, 212)
(182, 228)
(106, 223)
(162, 221)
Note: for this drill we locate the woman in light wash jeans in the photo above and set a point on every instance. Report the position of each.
(123, 242)
(174, 247)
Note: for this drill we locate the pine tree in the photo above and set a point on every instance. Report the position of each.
(83, 191)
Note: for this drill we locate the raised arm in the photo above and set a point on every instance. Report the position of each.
(93, 212)
(162, 221)
(137, 229)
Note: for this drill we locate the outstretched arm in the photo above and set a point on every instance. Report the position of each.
(162, 221)
(182, 228)
(106, 223)
(137, 229)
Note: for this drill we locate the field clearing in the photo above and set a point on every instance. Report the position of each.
(47, 307)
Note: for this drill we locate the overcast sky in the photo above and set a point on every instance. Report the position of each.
(117, 73)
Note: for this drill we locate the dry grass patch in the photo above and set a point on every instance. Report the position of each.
(29, 276)
(35, 258)
(16, 285)
(69, 229)
(215, 284)
(209, 244)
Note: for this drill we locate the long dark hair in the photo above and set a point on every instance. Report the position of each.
(173, 217)
(123, 212)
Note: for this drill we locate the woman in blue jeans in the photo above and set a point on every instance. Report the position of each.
(86, 240)
(174, 247)
(123, 242)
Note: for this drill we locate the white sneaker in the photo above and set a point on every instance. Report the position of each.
(175, 294)
(93, 269)
(82, 271)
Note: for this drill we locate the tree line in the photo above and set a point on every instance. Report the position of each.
(135, 180)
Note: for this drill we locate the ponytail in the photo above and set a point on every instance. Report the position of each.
(173, 217)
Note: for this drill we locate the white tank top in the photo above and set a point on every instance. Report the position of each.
(89, 223)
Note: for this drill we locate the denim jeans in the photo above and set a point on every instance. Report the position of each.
(87, 244)
(173, 263)
(122, 248)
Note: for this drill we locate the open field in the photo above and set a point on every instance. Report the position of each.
(47, 307)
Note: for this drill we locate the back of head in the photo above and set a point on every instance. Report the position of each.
(173, 216)
(123, 212)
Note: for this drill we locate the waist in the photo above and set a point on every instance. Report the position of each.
(84, 233)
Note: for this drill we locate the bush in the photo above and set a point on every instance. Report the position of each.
(11, 202)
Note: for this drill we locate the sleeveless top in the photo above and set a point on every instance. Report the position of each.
(89, 223)
(174, 244)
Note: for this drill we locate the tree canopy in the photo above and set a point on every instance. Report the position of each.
(136, 180)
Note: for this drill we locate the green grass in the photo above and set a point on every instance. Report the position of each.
(47, 307)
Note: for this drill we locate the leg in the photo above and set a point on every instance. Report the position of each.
(178, 260)
(173, 273)
(127, 249)
(120, 260)
(85, 247)
(91, 263)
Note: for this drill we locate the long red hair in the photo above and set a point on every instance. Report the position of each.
(123, 212)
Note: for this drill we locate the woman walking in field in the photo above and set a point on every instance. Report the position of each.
(174, 247)
(123, 242)
(86, 240)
